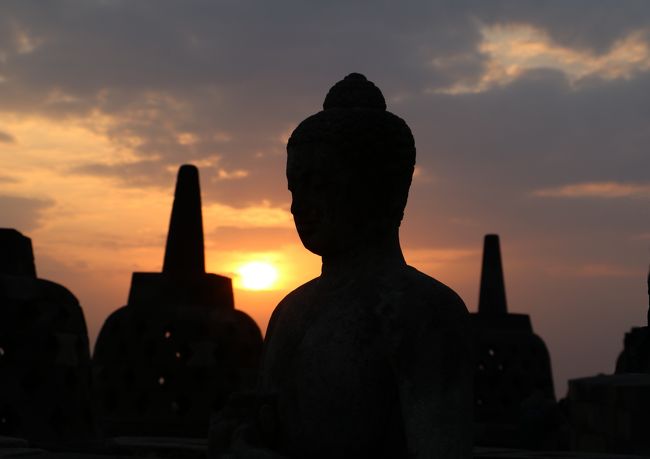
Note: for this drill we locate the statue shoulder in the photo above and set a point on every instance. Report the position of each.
(290, 305)
(421, 307)
(430, 295)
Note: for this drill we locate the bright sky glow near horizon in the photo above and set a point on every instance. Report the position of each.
(257, 275)
(530, 118)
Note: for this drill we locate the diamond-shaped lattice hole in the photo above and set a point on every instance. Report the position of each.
(109, 401)
(9, 420)
(57, 421)
(140, 327)
(179, 406)
(31, 381)
(142, 403)
(52, 347)
(71, 378)
(129, 377)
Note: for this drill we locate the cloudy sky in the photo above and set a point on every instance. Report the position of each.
(531, 120)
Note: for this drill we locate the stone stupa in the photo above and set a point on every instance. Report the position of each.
(635, 357)
(178, 348)
(44, 354)
(609, 413)
(512, 364)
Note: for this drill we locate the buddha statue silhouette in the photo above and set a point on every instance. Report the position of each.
(371, 358)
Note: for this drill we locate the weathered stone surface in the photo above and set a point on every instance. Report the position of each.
(635, 357)
(178, 348)
(44, 354)
(513, 386)
(504, 453)
(609, 413)
(160, 450)
(372, 358)
(160, 447)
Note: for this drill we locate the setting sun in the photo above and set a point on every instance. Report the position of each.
(257, 275)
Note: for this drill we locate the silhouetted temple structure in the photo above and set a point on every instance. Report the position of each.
(513, 384)
(609, 413)
(178, 348)
(44, 353)
(372, 358)
(635, 357)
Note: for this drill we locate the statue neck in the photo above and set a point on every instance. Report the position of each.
(369, 254)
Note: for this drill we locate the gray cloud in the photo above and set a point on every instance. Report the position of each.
(23, 214)
(8, 179)
(234, 76)
(250, 71)
(6, 137)
(582, 24)
(534, 133)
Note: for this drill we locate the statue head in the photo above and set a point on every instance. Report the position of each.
(349, 169)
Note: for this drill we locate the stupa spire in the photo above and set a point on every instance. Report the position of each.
(492, 296)
(648, 324)
(17, 255)
(184, 253)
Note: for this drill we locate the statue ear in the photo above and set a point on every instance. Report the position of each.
(392, 194)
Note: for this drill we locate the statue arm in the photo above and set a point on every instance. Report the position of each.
(244, 426)
(435, 374)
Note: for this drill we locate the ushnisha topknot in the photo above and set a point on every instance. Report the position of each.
(354, 128)
(355, 91)
(355, 121)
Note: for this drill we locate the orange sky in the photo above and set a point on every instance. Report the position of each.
(529, 123)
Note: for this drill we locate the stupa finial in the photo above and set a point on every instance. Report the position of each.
(184, 253)
(17, 254)
(355, 91)
(492, 296)
(648, 297)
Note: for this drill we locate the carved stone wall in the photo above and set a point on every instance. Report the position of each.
(44, 354)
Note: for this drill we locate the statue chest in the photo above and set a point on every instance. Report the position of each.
(328, 338)
(329, 365)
